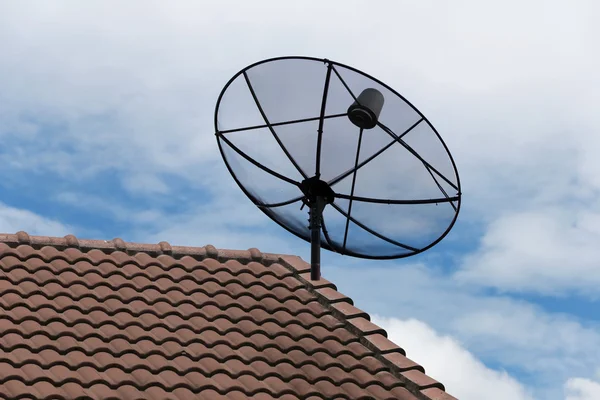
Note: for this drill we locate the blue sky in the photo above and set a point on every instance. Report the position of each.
(106, 126)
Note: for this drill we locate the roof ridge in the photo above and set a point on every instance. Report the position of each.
(117, 244)
(370, 335)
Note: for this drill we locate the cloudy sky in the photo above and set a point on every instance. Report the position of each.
(106, 121)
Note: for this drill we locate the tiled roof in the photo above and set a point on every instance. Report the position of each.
(109, 319)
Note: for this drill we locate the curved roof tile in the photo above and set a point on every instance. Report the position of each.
(112, 319)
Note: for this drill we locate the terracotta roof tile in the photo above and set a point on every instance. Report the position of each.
(110, 319)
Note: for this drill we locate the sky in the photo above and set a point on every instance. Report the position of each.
(106, 122)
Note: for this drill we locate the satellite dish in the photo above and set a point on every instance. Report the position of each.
(375, 176)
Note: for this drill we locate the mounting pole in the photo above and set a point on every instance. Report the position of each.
(317, 195)
(316, 212)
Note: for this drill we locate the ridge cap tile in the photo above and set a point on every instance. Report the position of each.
(350, 311)
(382, 343)
(116, 319)
(318, 284)
(366, 327)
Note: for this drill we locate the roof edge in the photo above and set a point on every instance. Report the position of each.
(370, 335)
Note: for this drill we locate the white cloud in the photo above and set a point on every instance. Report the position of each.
(145, 183)
(163, 109)
(541, 343)
(13, 220)
(582, 389)
(447, 361)
(545, 250)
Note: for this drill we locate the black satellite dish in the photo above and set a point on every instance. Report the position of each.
(377, 178)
